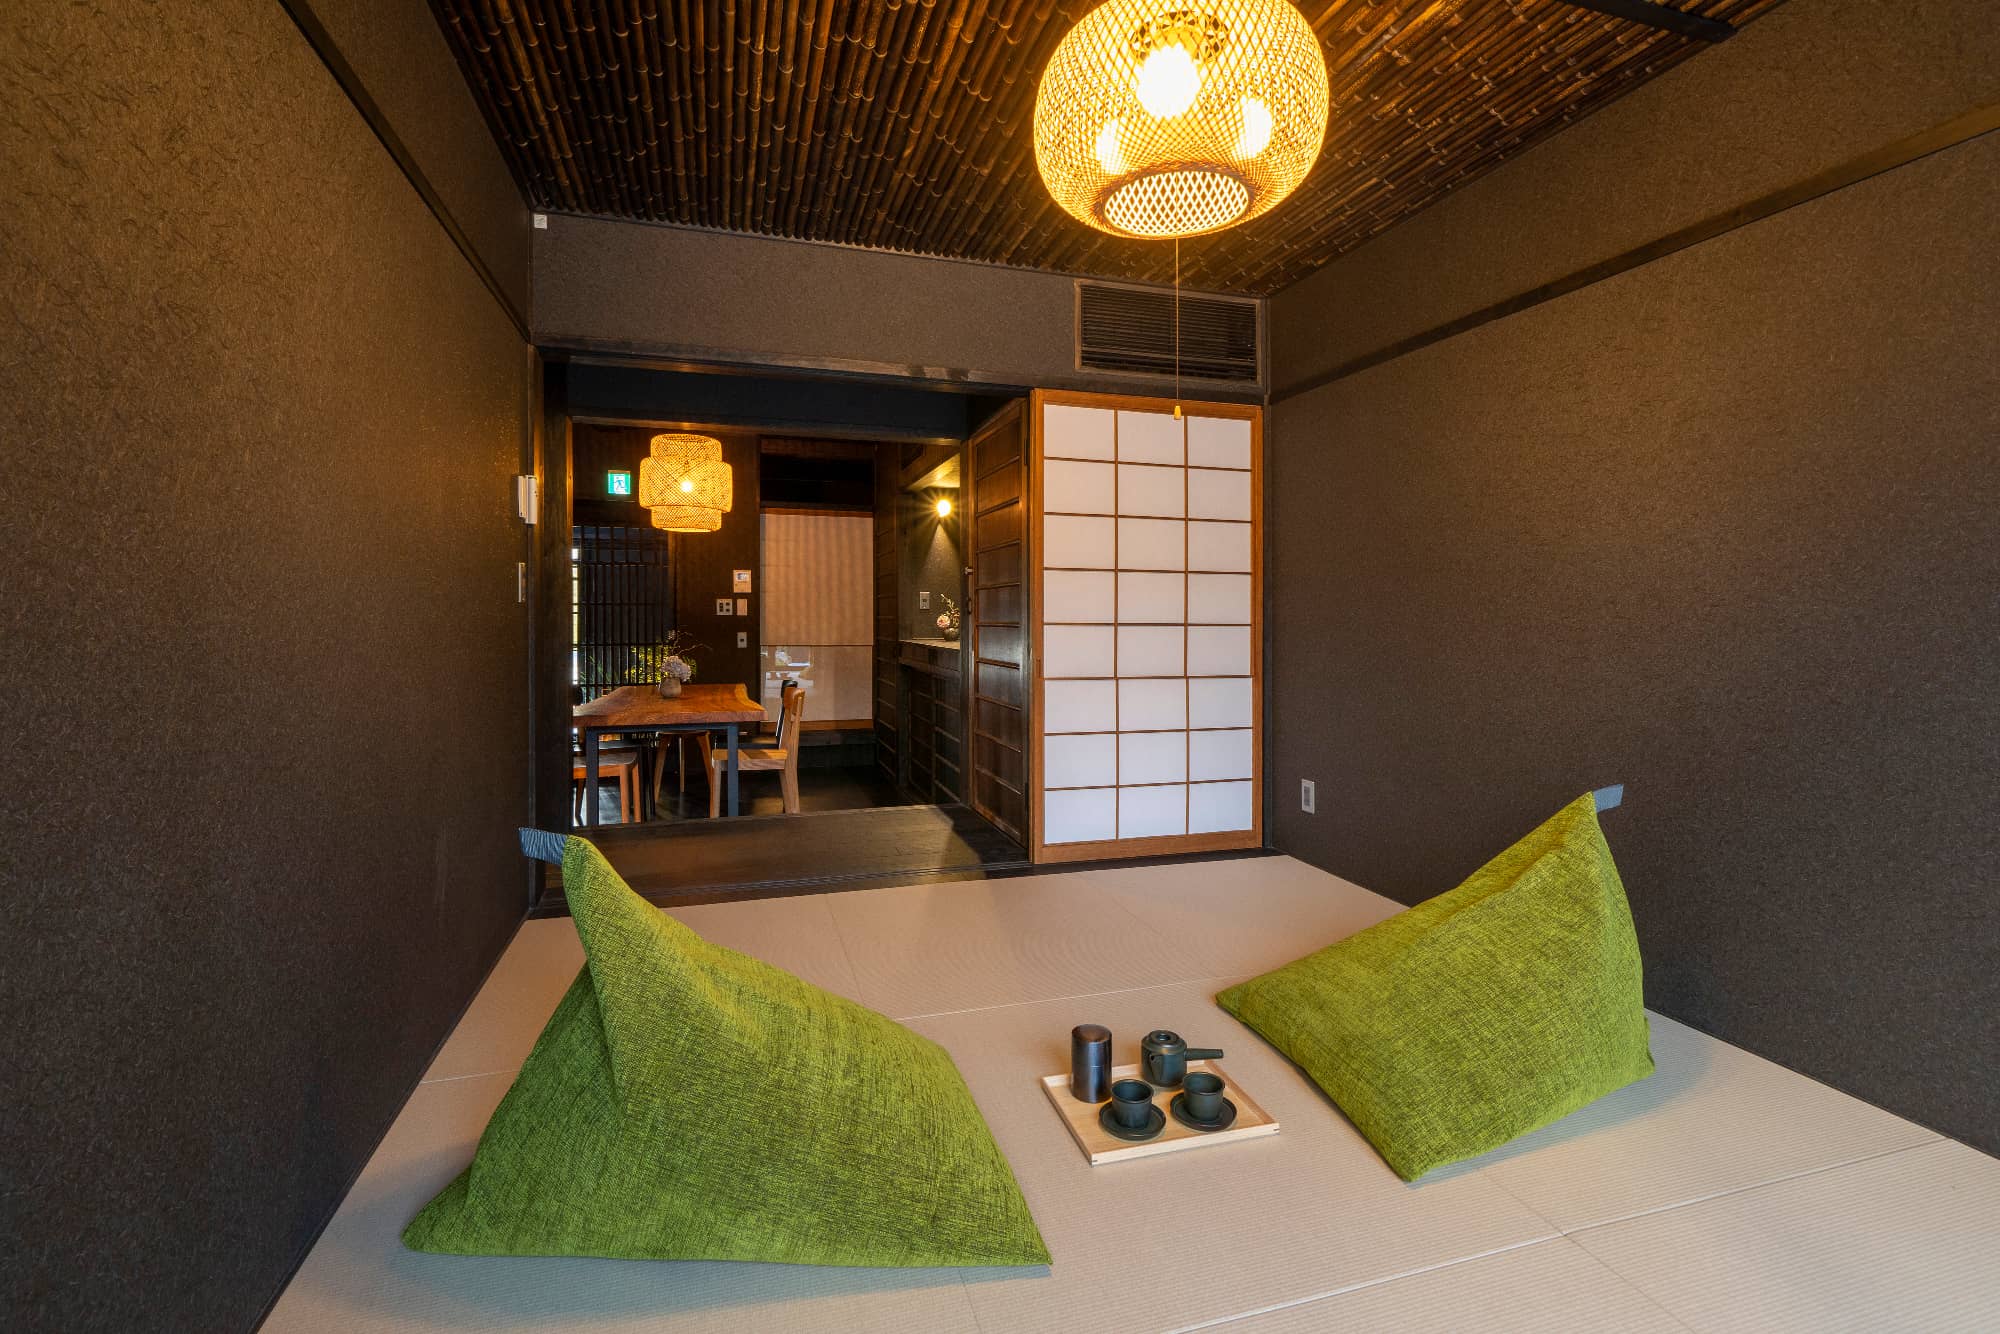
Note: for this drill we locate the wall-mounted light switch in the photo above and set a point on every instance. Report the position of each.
(1307, 799)
(743, 639)
(743, 606)
(725, 606)
(923, 602)
(541, 222)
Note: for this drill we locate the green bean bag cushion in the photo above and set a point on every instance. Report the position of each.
(1478, 1015)
(686, 1102)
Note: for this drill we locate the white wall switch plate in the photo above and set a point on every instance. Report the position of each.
(743, 639)
(724, 606)
(1308, 800)
(923, 602)
(541, 222)
(743, 606)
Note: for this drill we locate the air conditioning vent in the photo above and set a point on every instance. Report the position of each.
(1130, 330)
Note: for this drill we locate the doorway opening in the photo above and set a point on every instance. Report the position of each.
(824, 616)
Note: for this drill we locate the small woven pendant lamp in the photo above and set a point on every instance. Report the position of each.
(685, 483)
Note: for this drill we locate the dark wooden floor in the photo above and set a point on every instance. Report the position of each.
(705, 861)
(847, 788)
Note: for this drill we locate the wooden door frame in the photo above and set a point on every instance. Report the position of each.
(969, 641)
(1167, 844)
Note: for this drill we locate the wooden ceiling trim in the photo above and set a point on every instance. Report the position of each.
(907, 124)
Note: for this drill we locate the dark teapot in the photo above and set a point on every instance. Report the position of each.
(1163, 1058)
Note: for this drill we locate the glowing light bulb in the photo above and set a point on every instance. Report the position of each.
(944, 508)
(1257, 126)
(687, 483)
(1108, 156)
(1169, 81)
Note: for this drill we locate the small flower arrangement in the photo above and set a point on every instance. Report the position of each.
(668, 665)
(947, 620)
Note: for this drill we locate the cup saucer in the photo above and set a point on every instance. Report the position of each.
(1222, 1122)
(1156, 1121)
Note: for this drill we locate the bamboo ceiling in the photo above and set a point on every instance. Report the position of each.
(907, 124)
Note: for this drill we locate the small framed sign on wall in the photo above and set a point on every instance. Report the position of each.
(617, 483)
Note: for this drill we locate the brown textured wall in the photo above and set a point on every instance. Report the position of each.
(1724, 528)
(400, 55)
(1805, 87)
(265, 676)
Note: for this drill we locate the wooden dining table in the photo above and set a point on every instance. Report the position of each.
(698, 708)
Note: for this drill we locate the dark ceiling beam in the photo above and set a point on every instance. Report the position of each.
(1662, 17)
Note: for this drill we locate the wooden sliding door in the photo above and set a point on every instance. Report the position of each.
(995, 622)
(1147, 596)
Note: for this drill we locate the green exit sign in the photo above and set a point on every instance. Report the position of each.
(618, 483)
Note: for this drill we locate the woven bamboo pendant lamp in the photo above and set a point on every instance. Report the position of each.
(1171, 118)
(685, 483)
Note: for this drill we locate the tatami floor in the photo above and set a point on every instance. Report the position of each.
(1724, 1193)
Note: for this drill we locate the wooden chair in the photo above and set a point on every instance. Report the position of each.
(783, 757)
(676, 743)
(622, 765)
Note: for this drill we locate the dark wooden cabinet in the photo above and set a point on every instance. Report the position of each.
(932, 697)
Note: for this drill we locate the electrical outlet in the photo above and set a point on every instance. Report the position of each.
(725, 606)
(1307, 800)
(743, 639)
(923, 602)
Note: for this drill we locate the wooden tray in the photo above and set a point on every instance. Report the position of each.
(1252, 1121)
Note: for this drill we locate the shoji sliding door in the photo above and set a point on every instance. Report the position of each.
(1148, 675)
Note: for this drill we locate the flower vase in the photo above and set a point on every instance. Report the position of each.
(670, 689)
(951, 632)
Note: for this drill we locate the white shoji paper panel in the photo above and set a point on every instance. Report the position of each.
(1170, 581)
(1152, 650)
(1069, 487)
(1077, 650)
(1082, 815)
(1218, 442)
(1215, 808)
(1080, 595)
(1152, 757)
(1224, 701)
(1082, 761)
(1086, 543)
(1215, 599)
(1213, 494)
(1079, 433)
(1151, 599)
(1152, 812)
(1151, 437)
(1147, 490)
(1218, 650)
(1218, 546)
(1079, 706)
(1214, 755)
(1151, 544)
(1153, 705)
